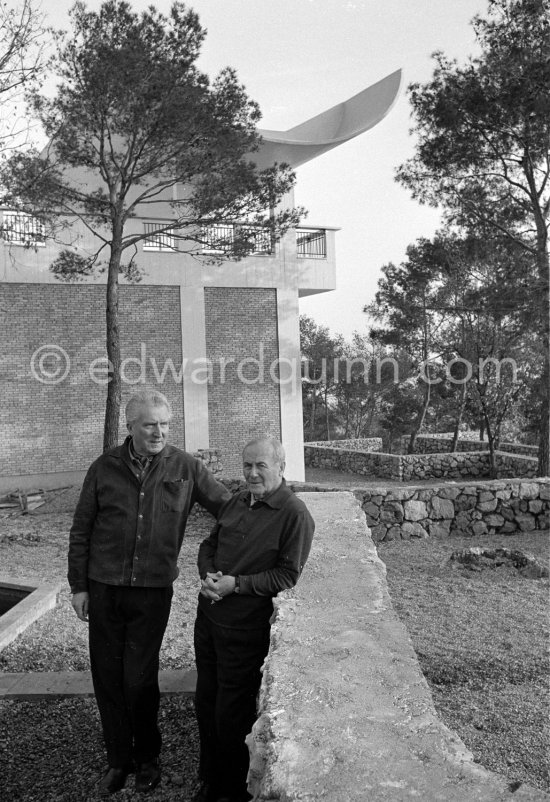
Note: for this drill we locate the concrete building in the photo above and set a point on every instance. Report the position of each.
(221, 341)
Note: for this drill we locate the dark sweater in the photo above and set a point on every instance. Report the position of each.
(265, 545)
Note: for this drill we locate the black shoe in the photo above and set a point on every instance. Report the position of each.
(147, 776)
(113, 781)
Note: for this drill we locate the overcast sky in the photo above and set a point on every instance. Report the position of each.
(299, 57)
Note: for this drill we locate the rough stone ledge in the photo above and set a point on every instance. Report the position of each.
(345, 713)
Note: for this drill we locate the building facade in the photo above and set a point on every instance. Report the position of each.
(220, 340)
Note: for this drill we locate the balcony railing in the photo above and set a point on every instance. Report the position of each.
(158, 240)
(311, 243)
(22, 229)
(220, 238)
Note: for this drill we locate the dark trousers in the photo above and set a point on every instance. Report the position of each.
(125, 631)
(228, 680)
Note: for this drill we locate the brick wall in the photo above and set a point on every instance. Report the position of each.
(243, 398)
(59, 426)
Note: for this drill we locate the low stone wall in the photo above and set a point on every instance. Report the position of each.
(414, 467)
(211, 458)
(371, 464)
(355, 444)
(491, 507)
(465, 465)
(345, 713)
(439, 443)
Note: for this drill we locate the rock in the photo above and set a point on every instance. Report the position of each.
(525, 521)
(393, 533)
(536, 506)
(479, 528)
(391, 512)
(465, 502)
(378, 533)
(440, 528)
(529, 490)
(488, 506)
(449, 492)
(442, 508)
(494, 520)
(418, 531)
(372, 513)
(415, 511)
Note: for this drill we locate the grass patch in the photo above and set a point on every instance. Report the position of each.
(482, 641)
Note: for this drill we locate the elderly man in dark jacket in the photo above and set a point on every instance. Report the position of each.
(124, 544)
(257, 548)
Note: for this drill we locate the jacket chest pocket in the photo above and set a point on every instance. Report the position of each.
(174, 495)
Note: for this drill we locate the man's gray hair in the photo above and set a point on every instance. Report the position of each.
(145, 397)
(276, 446)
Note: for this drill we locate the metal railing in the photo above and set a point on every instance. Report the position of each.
(22, 229)
(158, 240)
(311, 243)
(220, 238)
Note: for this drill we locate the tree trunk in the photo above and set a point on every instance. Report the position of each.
(543, 270)
(114, 387)
(421, 417)
(327, 415)
(481, 429)
(460, 412)
(491, 441)
(312, 419)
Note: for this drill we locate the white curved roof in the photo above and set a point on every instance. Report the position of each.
(330, 128)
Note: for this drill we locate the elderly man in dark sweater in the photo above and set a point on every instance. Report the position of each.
(124, 544)
(257, 548)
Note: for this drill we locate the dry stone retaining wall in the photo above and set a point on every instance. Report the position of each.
(438, 443)
(371, 464)
(492, 507)
(355, 444)
(412, 467)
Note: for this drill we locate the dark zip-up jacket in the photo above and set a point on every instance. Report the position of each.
(129, 533)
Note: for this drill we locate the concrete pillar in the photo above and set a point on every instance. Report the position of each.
(290, 385)
(195, 384)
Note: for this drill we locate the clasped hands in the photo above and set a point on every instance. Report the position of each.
(217, 585)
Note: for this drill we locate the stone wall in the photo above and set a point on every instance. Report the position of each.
(414, 467)
(371, 464)
(211, 458)
(492, 507)
(438, 443)
(465, 465)
(345, 713)
(355, 444)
